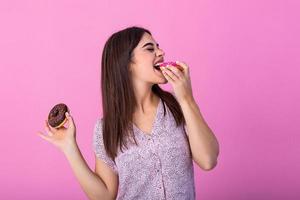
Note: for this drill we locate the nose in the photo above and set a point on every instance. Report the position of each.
(160, 53)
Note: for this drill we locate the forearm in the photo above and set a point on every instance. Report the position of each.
(203, 143)
(91, 183)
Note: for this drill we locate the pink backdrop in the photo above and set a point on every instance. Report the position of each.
(244, 62)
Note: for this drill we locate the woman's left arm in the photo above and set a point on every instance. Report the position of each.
(203, 143)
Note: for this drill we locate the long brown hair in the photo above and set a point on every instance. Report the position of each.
(118, 100)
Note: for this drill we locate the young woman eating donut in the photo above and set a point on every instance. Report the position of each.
(147, 139)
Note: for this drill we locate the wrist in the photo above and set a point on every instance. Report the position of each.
(70, 149)
(187, 101)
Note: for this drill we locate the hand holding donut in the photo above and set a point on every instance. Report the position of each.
(178, 75)
(60, 136)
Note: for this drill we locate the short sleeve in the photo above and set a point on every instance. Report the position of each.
(98, 146)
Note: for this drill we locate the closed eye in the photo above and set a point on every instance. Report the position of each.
(150, 50)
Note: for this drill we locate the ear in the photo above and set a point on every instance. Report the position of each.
(130, 65)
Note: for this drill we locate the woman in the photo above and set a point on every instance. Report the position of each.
(147, 138)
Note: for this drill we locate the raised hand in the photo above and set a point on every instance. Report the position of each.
(64, 137)
(180, 81)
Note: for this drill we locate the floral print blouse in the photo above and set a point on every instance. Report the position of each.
(160, 167)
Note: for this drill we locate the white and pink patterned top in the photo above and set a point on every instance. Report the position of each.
(160, 167)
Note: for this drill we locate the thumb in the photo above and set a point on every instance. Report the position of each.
(70, 119)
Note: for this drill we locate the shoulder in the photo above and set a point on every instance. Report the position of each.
(99, 147)
(99, 121)
(98, 125)
(98, 133)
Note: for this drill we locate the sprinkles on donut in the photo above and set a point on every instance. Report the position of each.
(57, 115)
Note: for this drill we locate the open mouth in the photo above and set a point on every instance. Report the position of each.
(157, 66)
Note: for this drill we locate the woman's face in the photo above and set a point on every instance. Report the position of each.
(146, 54)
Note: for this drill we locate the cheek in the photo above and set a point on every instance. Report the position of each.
(144, 70)
(144, 73)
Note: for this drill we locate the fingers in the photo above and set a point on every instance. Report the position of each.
(48, 128)
(184, 66)
(167, 74)
(173, 73)
(48, 131)
(176, 71)
(45, 137)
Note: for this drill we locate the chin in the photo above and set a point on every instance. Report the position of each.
(164, 81)
(160, 80)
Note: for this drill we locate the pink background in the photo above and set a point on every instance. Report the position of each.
(244, 62)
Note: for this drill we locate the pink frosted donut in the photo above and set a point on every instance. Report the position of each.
(165, 64)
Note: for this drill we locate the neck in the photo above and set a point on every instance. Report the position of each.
(145, 98)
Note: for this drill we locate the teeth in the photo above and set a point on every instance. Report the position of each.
(157, 65)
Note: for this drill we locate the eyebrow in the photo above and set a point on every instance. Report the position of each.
(151, 44)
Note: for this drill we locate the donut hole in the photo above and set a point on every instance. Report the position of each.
(55, 113)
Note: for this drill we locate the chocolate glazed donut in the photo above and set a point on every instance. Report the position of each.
(57, 117)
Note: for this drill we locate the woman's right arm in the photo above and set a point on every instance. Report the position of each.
(93, 186)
